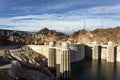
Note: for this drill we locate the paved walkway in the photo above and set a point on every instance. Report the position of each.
(6, 66)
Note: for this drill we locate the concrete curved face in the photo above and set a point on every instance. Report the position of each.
(65, 45)
(77, 51)
(42, 49)
(52, 44)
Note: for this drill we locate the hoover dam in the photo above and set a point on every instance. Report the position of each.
(61, 56)
(60, 60)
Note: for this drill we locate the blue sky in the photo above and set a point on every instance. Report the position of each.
(61, 15)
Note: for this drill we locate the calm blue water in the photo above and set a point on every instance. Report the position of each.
(95, 70)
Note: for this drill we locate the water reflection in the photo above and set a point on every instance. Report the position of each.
(102, 70)
(95, 70)
(117, 74)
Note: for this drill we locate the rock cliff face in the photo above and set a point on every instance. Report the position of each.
(12, 37)
(81, 36)
(51, 35)
(8, 37)
(26, 64)
(99, 35)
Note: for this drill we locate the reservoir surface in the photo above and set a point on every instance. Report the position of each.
(89, 69)
(95, 70)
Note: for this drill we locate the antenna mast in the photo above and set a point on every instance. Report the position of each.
(101, 22)
(84, 24)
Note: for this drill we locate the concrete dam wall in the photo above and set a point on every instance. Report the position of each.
(60, 56)
(109, 52)
(77, 51)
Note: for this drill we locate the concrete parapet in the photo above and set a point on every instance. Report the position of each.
(65, 66)
(118, 54)
(110, 53)
(107, 52)
(103, 52)
(58, 62)
(95, 52)
(65, 45)
(52, 44)
(94, 42)
(52, 56)
(110, 43)
(58, 56)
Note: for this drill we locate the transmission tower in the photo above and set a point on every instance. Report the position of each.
(84, 24)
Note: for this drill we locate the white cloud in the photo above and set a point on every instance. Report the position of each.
(46, 7)
(66, 22)
(60, 25)
(114, 9)
(42, 16)
(105, 10)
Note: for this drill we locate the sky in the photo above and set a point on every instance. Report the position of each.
(61, 15)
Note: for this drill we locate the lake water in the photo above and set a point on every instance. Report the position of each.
(95, 70)
(91, 70)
